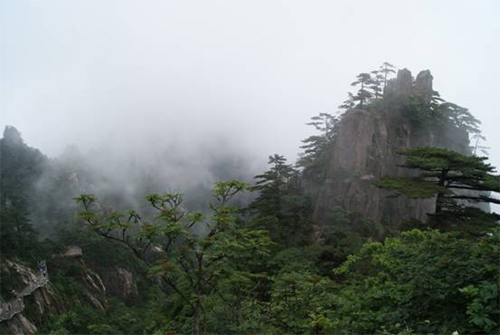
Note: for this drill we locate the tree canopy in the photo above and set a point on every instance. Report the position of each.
(189, 252)
(457, 181)
(280, 207)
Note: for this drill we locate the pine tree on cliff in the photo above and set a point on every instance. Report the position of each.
(386, 69)
(440, 114)
(477, 146)
(363, 80)
(459, 117)
(348, 103)
(325, 123)
(377, 80)
(316, 147)
(454, 180)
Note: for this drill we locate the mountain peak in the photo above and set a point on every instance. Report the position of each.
(12, 135)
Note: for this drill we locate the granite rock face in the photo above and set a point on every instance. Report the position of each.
(401, 86)
(20, 325)
(367, 148)
(12, 136)
(423, 85)
(45, 301)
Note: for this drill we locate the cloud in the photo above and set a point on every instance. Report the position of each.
(243, 77)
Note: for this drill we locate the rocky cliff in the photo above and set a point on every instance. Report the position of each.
(120, 283)
(39, 298)
(366, 148)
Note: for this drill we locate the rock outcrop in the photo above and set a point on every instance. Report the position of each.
(12, 136)
(120, 283)
(95, 292)
(423, 85)
(19, 324)
(72, 251)
(38, 293)
(366, 148)
(39, 299)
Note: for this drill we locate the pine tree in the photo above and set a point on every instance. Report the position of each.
(376, 85)
(455, 180)
(386, 69)
(459, 117)
(325, 123)
(280, 207)
(363, 80)
(316, 147)
(348, 103)
(272, 186)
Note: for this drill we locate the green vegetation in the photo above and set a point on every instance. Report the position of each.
(260, 263)
(455, 180)
(314, 158)
(364, 81)
(20, 168)
(416, 282)
(421, 282)
(190, 262)
(372, 86)
(280, 207)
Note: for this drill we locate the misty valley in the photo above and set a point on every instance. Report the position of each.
(383, 225)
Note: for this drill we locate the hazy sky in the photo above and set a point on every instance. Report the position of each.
(240, 74)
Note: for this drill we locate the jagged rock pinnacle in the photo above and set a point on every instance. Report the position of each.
(423, 85)
(404, 82)
(400, 86)
(12, 135)
(404, 85)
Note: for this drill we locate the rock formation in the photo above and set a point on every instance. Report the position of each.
(367, 148)
(38, 292)
(72, 251)
(121, 283)
(12, 136)
(423, 85)
(45, 300)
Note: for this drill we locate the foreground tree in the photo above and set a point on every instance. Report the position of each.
(420, 282)
(188, 252)
(457, 181)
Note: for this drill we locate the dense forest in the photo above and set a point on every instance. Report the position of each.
(382, 226)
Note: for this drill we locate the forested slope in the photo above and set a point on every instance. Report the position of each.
(382, 226)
